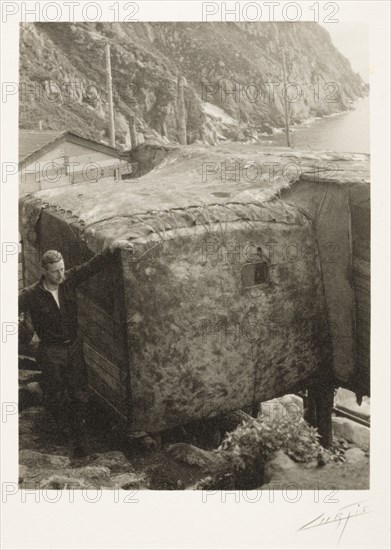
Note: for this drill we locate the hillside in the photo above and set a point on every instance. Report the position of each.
(62, 73)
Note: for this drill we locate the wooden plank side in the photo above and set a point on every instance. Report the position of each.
(96, 381)
(103, 341)
(115, 376)
(362, 251)
(32, 265)
(363, 318)
(363, 297)
(30, 254)
(112, 407)
(362, 266)
(30, 261)
(362, 280)
(109, 380)
(29, 247)
(363, 326)
(32, 273)
(101, 318)
(362, 289)
(363, 311)
(361, 223)
(363, 340)
(363, 358)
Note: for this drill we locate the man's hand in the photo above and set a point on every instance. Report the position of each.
(121, 245)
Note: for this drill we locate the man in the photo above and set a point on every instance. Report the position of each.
(52, 304)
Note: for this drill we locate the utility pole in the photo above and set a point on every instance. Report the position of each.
(182, 137)
(133, 132)
(286, 108)
(109, 86)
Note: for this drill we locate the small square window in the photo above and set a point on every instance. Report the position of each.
(255, 274)
(261, 273)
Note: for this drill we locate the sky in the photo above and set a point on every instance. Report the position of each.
(351, 39)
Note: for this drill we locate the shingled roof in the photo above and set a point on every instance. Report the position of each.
(34, 143)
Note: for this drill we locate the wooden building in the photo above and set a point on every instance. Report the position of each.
(360, 208)
(245, 284)
(50, 159)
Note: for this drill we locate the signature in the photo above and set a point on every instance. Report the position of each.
(340, 519)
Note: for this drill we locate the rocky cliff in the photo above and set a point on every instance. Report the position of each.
(233, 78)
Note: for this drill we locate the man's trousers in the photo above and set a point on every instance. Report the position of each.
(64, 384)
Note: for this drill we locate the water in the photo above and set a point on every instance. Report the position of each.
(343, 132)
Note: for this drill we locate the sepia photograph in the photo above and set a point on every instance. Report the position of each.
(194, 255)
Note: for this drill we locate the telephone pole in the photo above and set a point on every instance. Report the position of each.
(286, 107)
(181, 109)
(133, 132)
(109, 85)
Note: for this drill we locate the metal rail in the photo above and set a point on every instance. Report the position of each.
(339, 410)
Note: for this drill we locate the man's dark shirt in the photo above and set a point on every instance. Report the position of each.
(55, 324)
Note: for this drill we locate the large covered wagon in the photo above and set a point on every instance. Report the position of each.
(244, 285)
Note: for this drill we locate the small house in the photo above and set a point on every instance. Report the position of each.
(49, 159)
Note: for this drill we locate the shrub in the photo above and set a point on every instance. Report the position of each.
(253, 443)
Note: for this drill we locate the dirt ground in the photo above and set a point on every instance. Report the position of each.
(176, 462)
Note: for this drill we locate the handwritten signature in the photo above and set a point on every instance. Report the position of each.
(341, 518)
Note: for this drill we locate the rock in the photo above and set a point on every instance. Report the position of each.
(116, 461)
(193, 456)
(149, 444)
(289, 406)
(355, 455)
(34, 459)
(99, 474)
(88, 477)
(323, 458)
(278, 465)
(347, 399)
(35, 414)
(30, 395)
(130, 481)
(35, 389)
(53, 449)
(29, 440)
(22, 472)
(31, 418)
(60, 482)
(27, 376)
(351, 431)
(34, 423)
(273, 410)
(24, 398)
(293, 405)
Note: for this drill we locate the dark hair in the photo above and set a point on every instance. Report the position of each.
(50, 257)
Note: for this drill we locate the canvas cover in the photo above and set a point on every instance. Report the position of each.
(184, 289)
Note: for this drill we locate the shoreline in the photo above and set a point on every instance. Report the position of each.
(329, 131)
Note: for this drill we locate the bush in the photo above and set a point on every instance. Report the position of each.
(246, 450)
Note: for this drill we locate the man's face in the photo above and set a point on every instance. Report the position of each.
(54, 273)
